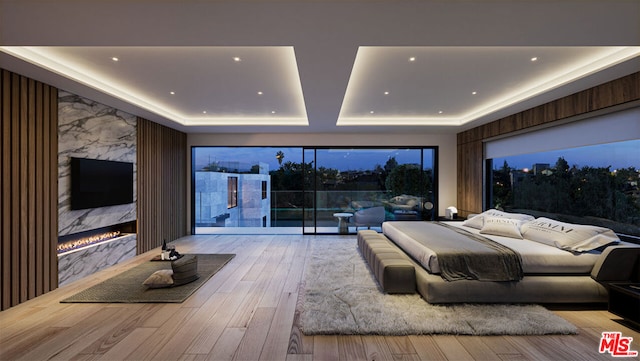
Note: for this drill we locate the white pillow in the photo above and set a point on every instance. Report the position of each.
(501, 226)
(160, 279)
(477, 222)
(568, 236)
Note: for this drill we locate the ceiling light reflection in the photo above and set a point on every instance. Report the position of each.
(68, 62)
(574, 65)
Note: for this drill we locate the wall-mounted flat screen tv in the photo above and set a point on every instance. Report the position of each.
(99, 183)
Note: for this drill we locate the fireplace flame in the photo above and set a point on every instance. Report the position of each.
(83, 242)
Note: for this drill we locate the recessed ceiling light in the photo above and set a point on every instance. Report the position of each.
(535, 58)
(237, 59)
(204, 112)
(413, 58)
(260, 93)
(386, 93)
(115, 59)
(371, 112)
(440, 112)
(172, 93)
(474, 93)
(273, 112)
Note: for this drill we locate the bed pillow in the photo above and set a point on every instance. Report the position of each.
(477, 221)
(568, 236)
(160, 279)
(501, 226)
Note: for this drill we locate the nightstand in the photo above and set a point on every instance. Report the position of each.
(456, 219)
(624, 301)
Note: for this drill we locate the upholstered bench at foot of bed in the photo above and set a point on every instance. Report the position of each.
(390, 266)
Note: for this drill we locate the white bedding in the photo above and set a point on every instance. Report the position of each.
(537, 258)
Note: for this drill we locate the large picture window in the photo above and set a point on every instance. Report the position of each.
(302, 189)
(595, 184)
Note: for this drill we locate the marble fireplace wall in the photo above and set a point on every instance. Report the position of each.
(87, 129)
(78, 264)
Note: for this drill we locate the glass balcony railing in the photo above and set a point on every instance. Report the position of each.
(289, 208)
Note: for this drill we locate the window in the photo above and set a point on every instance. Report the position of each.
(297, 190)
(267, 184)
(390, 183)
(264, 190)
(582, 171)
(232, 192)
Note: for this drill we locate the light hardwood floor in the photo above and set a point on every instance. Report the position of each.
(246, 312)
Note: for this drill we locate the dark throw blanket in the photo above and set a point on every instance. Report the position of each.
(463, 255)
(496, 263)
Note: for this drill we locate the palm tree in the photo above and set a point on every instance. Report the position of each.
(279, 157)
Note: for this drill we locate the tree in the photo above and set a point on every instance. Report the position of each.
(562, 166)
(408, 179)
(280, 157)
(391, 164)
(502, 194)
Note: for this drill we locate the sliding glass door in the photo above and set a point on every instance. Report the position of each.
(316, 190)
(359, 188)
(246, 189)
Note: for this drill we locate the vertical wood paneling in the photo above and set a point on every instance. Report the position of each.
(470, 152)
(15, 188)
(31, 184)
(161, 184)
(467, 177)
(23, 192)
(39, 196)
(29, 180)
(51, 111)
(5, 191)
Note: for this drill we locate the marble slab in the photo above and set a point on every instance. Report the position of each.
(88, 129)
(85, 261)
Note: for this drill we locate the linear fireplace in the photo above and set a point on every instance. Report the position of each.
(84, 253)
(83, 239)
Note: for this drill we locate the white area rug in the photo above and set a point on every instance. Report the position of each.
(340, 296)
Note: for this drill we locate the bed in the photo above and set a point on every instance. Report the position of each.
(529, 260)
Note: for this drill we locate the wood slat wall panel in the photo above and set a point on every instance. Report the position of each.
(161, 184)
(29, 221)
(39, 196)
(470, 150)
(31, 180)
(23, 192)
(5, 230)
(468, 187)
(15, 189)
(51, 110)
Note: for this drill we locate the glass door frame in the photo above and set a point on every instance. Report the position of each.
(314, 189)
(310, 186)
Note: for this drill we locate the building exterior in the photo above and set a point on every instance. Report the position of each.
(233, 199)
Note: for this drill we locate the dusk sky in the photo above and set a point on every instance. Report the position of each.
(617, 155)
(342, 159)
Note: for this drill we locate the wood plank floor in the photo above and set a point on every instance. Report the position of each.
(246, 312)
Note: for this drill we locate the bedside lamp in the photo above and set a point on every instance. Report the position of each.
(451, 212)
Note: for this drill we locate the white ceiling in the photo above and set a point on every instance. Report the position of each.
(321, 66)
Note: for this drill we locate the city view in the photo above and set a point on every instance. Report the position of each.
(594, 185)
(308, 187)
